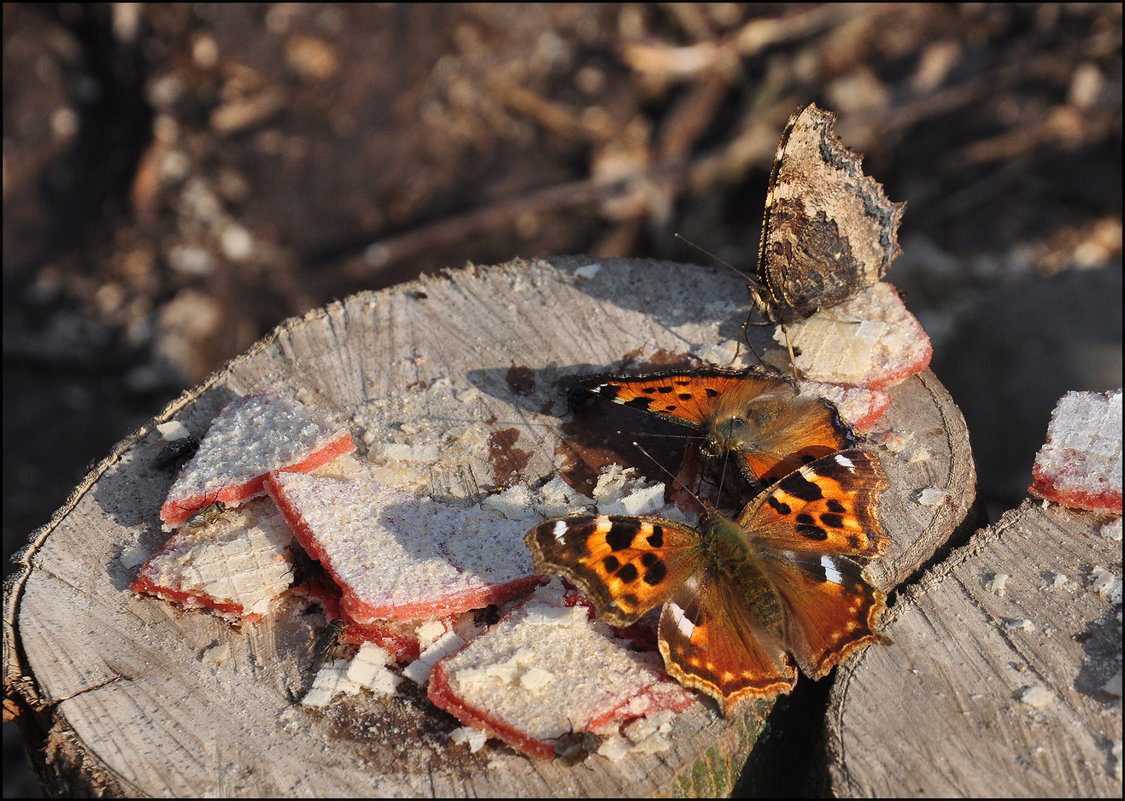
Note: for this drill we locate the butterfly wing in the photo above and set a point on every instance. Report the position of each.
(826, 507)
(830, 608)
(773, 429)
(725, 641)
(829, 231)
(680, 396)
(803, 527)
(625, 565)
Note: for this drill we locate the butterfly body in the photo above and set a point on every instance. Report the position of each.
(744, 602)
(828, 230)
(758, 415)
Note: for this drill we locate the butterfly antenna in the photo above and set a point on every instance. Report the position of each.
(723, 262)
(651, 435)
(674, 479)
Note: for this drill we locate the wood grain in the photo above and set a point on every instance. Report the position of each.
(991, 692)
(133, 703)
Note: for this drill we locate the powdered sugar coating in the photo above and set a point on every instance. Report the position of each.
(401, 556)
(237, 565)
(1080, 463)
(870, 340)
(860, 407)
(546, 669)
(250, 437)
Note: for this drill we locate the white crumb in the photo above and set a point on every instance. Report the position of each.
(996, 583)
(1111, 530)
(173, 430)
(418, 671)
(133, 555)
(1105, 584)
(931, 496)
(1112, 685)
(614, 748)
(429, 632)
(1036, 696)
(466, 735)
(215, 654)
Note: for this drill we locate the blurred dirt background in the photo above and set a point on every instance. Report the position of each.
(178, 179)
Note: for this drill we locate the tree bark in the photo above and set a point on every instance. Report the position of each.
(125, 689)
(994, 686)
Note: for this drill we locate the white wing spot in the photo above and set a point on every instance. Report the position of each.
(685, 626)
(831, 572)
(560, 530)
(845, 461)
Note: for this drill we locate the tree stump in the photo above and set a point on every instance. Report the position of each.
(125, 696)
(1000, 681)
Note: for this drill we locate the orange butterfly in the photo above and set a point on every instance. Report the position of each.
(742, 600)
(772, 429)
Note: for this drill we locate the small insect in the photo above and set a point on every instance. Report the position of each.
(308, 568)
(328, 642)
(574, 746)
(206, 515)
(175, 452)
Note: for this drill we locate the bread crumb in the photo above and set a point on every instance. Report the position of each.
(931, 496)
(173, 430)
(588, 271)
(1112, 685)
(614, 748)
(429, 632)
(996, 583)
(215, 654)
(1111, 530)
(418, 671)
(1036, 696)
(1105, 584)
(466, 735)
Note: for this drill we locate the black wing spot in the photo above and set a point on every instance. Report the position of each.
(832, 520)
(656, 538)
(778, 506)
(656, 574)
(835, 506)
(800, 487)
(621, 533)
(611, 563)
(812, 533)
(628, 573)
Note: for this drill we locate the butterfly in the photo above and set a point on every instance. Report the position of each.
(761, 417)
(828, 231)
(745, 602)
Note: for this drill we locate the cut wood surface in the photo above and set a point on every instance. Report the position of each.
(462, 374)
(1005, 674)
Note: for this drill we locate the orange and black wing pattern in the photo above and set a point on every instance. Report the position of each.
(680, 396)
